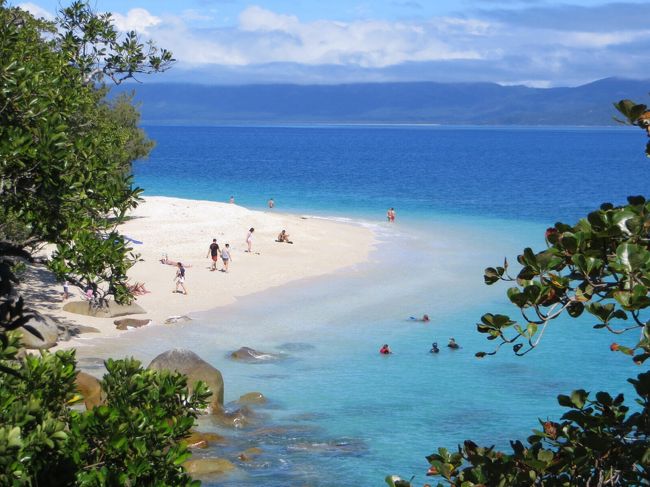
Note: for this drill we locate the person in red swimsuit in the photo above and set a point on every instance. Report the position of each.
(385, 350)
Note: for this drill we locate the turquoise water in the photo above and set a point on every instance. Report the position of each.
(339, 412)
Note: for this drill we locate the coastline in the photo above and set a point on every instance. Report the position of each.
(183, 230)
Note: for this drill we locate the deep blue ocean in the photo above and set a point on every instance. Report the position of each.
(465, 198)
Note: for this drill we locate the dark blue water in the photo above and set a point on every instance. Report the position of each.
(465, 198)
(517, 173)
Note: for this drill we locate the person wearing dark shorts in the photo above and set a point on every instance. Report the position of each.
(213, 253)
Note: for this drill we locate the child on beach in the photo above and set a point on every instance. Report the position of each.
(249, 239)
(180, 278)
(225, 256)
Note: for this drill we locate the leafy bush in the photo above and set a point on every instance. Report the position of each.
(134, 438)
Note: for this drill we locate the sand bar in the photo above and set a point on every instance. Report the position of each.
(183, 230)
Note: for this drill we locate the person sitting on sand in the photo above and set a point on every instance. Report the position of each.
(180, 278)
(385, 349)
(452, 344)
(283, 236)
(434, 348)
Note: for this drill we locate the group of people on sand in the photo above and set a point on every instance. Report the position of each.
(215, 253)
(385, 349)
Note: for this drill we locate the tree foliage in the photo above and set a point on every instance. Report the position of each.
(134, 438)
(66, 151)
(97, 50)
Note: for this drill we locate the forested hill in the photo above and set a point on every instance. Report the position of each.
(423, 102)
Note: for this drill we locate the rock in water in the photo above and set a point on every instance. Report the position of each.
(126, 323)
(252, 398)
(247, 354)
(111, 310)
(89, 387)
(46, 326)
(209, 466)
(195, 368)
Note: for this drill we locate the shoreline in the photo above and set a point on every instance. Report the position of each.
(183, 229)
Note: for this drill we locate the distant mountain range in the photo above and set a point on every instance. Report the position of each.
(422, 102)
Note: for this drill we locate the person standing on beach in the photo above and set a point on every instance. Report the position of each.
(249, 239)
(180, 278)
(271, 203)
(232, 200)
(225, 256)
(213, 252)
(390, 214)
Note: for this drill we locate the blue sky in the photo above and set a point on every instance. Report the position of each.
(532, 42)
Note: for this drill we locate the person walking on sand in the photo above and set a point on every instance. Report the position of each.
(180, 278)
(271, 203)
(249, 239)
(213, 252)
(390, 215)
(225, 256)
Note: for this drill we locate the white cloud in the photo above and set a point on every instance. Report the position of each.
(265, 44)
(259, 19)
(138, 19)
(36, 10)
(600, 39)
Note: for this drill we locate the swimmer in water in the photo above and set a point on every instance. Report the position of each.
(434, 348)
(385, 349)
(452, 344)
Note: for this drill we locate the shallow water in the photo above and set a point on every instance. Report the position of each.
(350, 413)
(339, 412)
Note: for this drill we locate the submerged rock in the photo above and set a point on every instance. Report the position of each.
(246, 354)
(209, 466)
(110, 310)
(252, 398)
(332, 447)
(296, 347)
(238, 418)
(177, 319)
(196, 439)
(248, 454)
(196, 369)
(126, 323)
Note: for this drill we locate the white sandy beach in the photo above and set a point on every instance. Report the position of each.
(183, 229)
